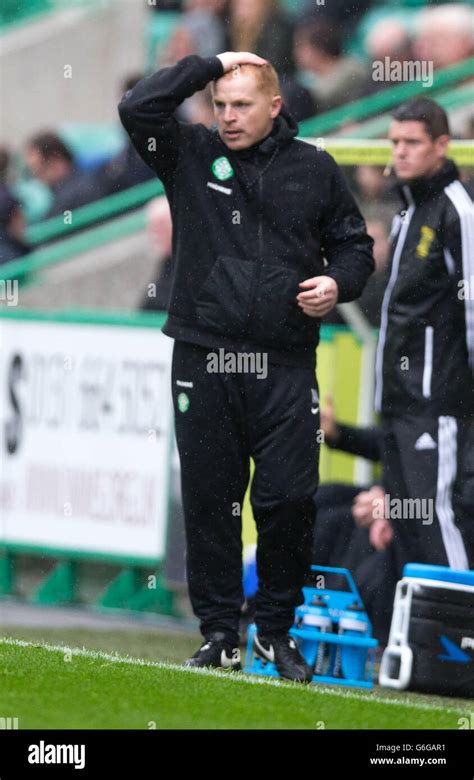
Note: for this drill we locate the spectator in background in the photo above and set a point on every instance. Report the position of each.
(206, 26)
(160, 235)
(12, 223)
(332, 78)
(387, 38)
(262, 27)
(445, 34)
(370, 181)
(181, 44)
(376, 191)
(50, 161)
(344, 14)
(127, 169)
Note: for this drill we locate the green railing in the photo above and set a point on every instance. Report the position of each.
(18, 12)
(73, 246)
(13, 11)
(374, 128)
(105, 208)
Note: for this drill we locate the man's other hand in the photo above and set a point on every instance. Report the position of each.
(380, 534)
(369, 506)
(327, 419)
(232, 59)
(319, 295)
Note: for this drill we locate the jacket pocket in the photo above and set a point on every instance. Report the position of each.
(277, 317)
(223, 301)
(239, 299)
(428, 362)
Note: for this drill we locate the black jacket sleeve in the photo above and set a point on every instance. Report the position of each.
(363, 442)
(146, 111)
(345, 243)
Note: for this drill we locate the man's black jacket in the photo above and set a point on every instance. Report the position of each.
(425, 355)
(248, 226)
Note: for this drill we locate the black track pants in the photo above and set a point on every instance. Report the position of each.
(425, 465)
(223, 419)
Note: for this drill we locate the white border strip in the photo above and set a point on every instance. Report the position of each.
(465, 210)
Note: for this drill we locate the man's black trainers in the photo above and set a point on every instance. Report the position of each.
(217, 652)
(283, 651)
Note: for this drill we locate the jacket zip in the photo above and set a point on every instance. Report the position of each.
(386, 300)
(428, 362)
(259, 258)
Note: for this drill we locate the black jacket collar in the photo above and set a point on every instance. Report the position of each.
(426, 188)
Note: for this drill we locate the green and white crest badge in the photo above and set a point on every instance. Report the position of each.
(222, 169)
(183, 402)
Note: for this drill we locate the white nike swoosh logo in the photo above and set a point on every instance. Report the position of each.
(228, 662)
(314, 411)
(269, 655)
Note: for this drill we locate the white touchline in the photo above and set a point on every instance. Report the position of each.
(234, 677)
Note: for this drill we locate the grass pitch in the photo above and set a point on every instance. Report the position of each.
(76, 679)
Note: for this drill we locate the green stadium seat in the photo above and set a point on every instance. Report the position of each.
(35, 198)
(92, 144)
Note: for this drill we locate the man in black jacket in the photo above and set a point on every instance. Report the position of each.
(425, 356)
(255, 216)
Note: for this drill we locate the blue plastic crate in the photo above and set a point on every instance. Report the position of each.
(332, 630)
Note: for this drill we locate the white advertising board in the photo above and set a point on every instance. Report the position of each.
(86, 427)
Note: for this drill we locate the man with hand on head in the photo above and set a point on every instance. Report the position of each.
(266, 239)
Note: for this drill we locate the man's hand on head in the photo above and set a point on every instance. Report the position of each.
(232, 59)
(319, 296)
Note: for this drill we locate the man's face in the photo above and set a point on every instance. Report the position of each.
(36, 164)
(244, 113)
(415, 153)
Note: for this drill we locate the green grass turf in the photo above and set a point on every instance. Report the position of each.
(52, 689)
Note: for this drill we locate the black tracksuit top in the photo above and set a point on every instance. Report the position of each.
(425, 354)
(248, 226)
